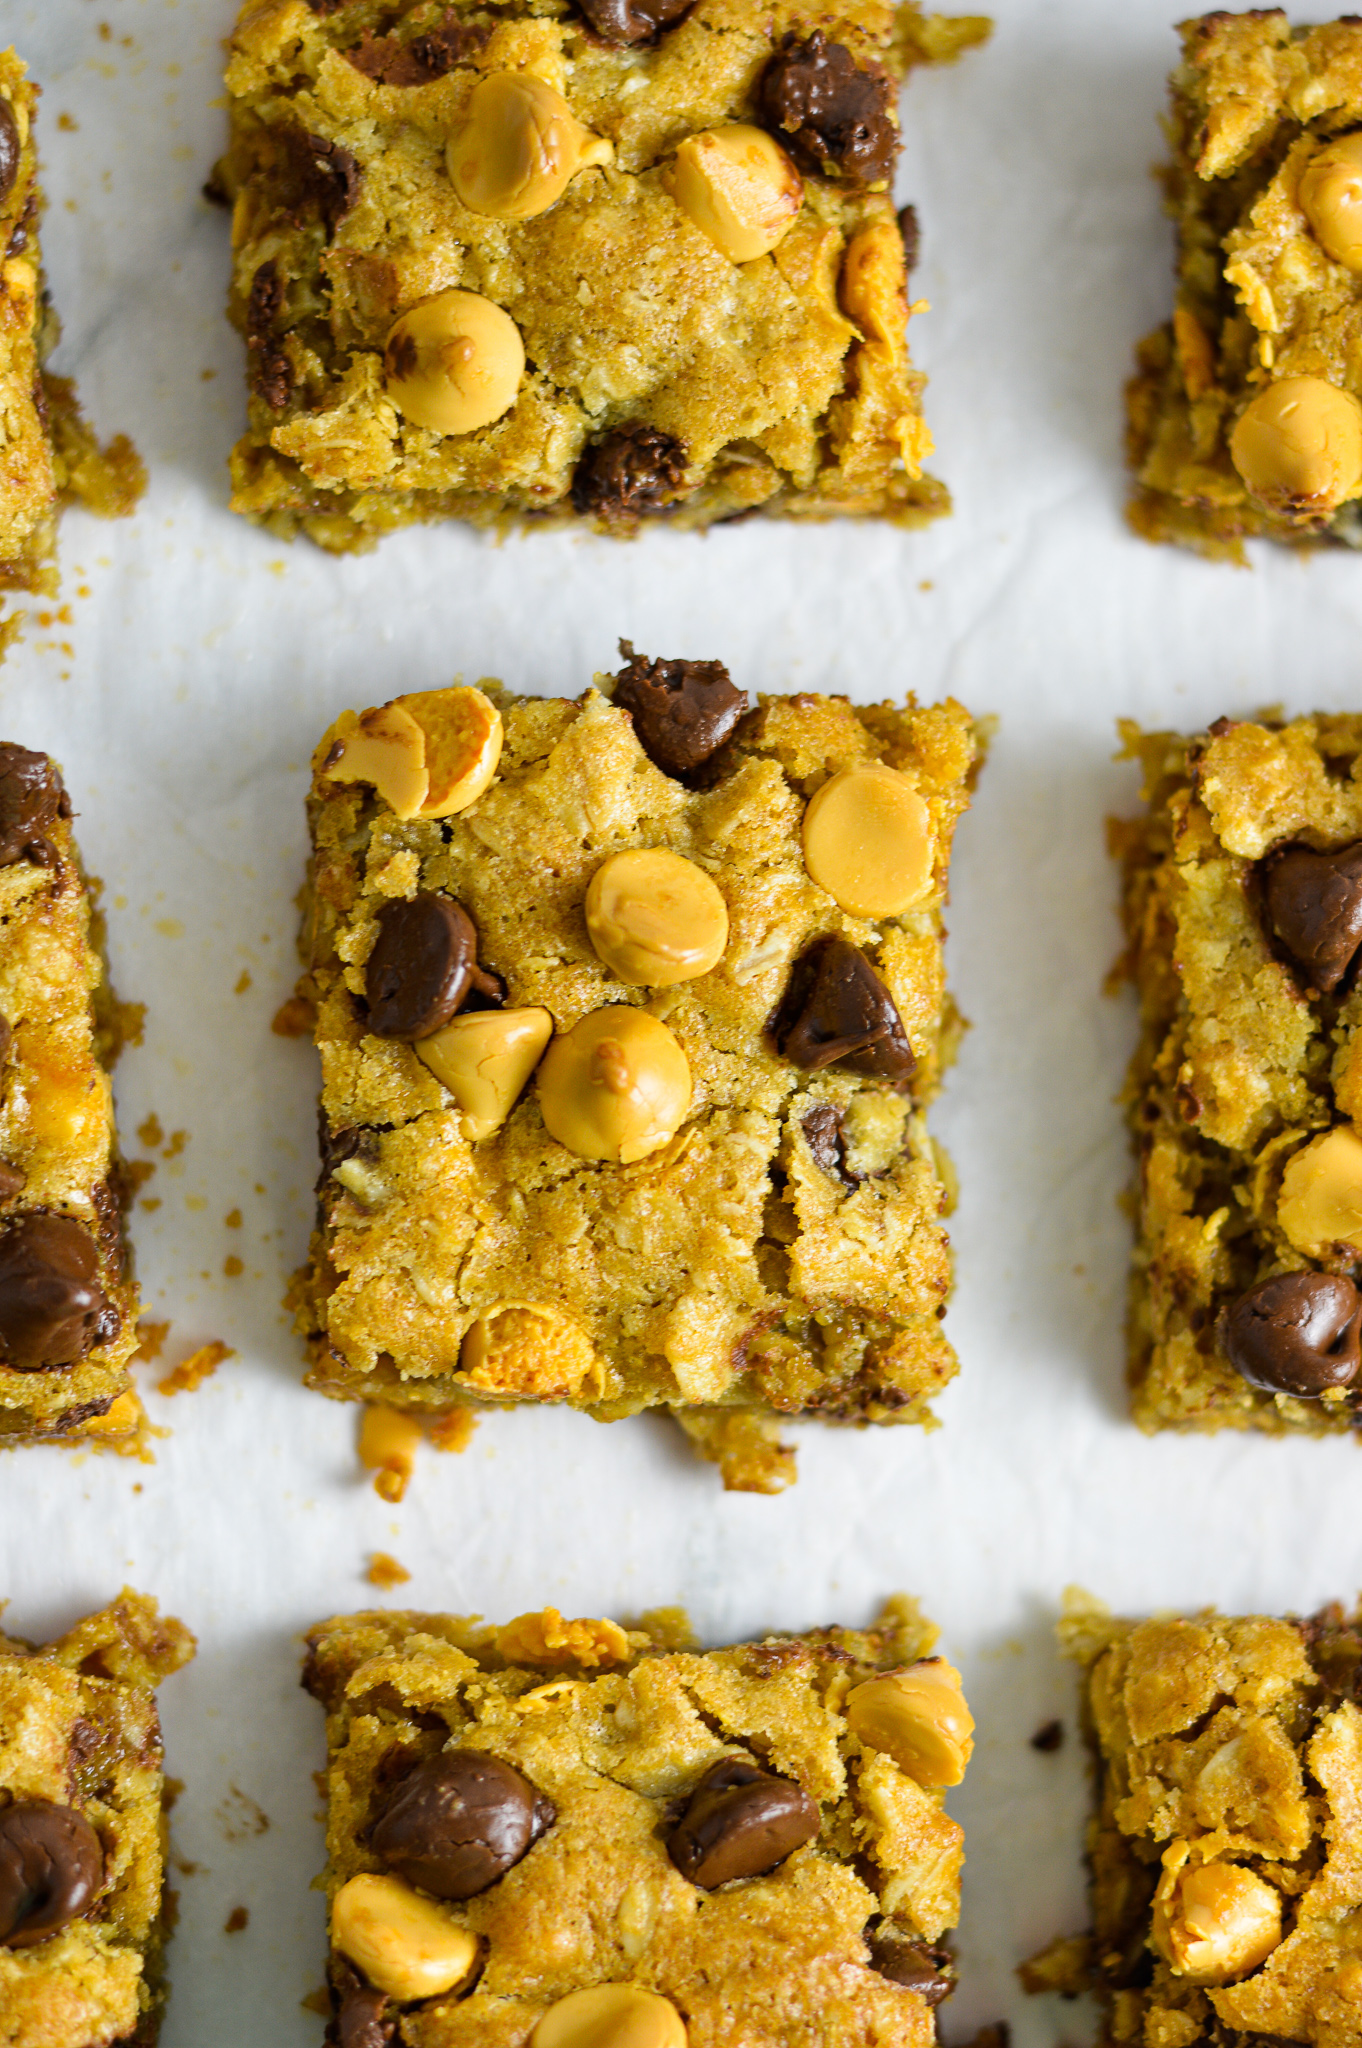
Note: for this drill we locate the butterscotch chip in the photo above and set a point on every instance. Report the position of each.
(919, 1718)
(484, 1058)
(656, 918)
(868, 841)
(1214, 1922)
(739, 188)
(519, 147)
(616, 1086)
(454, 363)
(406, 1944)
(1298, 446)
(428, 755)
(1320, 1204)
(1331, 199)
(611, 2016)
(527, 1352)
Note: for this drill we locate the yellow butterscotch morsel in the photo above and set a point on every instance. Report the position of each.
(1331, 199)
(874, 284)
(1215, 1922)
(919, 1718)
(1298, 445)
(523, 1351)
(484, 1058)
(611, 2016)
(405, 1943)
(738, 186)
(616, 1087)
(120, 1419)
(454, 363)
(388, 1443)
(868, 841)
(655, 918)
(519, 147)
(428, 755)
(1320, 1204)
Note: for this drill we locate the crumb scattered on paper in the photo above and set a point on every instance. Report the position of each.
(385, 1571)
(151, 1337)
(237, 1920)
(453, 1431)
(294, 1019)
(199, 1366)
(239, 1816)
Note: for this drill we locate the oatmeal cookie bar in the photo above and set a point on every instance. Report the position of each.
(543, 1833)
(628, 1011)
(68, 1301)
(1225, 1847)
(47, 452)
(600, 261)
(1244, 418)
(1243, 913)
(82, 1830)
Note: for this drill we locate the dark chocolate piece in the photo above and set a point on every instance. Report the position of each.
(389, 61)
(910, 234)
(423, 966)
(364, 2018)
(914, 1964)
(53, 1309)
(633, 21)
(739, 1822)
(837, 1011)
(31, 801)
(270, 372)
(1314, 905)
(683, 711)
(1297, 1333)
(833, 116)
(629, 471)
(51, 1867)
(459, 1822)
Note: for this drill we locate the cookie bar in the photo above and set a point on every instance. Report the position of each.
(597, 262)
(1244, 418)
(628, 1012)
(48, 454)
(1243, 912)
(1225, 1847)
(68, 1301)
(82, 1830)
(561, 1833)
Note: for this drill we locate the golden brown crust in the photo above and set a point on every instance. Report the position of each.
(597, 1898)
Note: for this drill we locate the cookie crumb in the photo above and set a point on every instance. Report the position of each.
(385, 1571)
(453, 1431)
(1048, 1737)
(198, 1367)
(237, 1920)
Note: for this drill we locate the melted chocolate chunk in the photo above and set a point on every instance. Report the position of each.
(683, 711)
(364, 2018)
(837, 1011)
(51, 1867)
(630, 471)
(459, 1822)
(834, 117)
(52, 1307)
(1314, 905)
(328, 176)
(822, 1128)
(914, 1964)
(911, 236)
(24, 226)
(739, 1822)
(10, 150)
(1299, 1333)
(633, 21)
(31, 801)
(424, 966)
(270, 371)
(390, 61)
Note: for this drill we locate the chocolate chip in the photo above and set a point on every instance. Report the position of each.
(911, 236)
(459, 1822)
(833, 116)
(914, 1964)
(388, 61)
(329, 175)
(52, 1307)
(270, 372)
(423, 966)
(363, 2017)
(683, 711)
(1314, 905)
(633, 21)
(10, 150)
(1297, 1333)
(822, 1128)
(1048, 1737)
(31, 796)
(51, 1867)
(739, 1822)
(24, 226)
(629, 471)
(836, 1010)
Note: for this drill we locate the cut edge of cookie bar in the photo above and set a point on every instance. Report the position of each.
(718, 386)
(1241, 1313)
(84, 1816)
(51, 456)
(68, 1298)
(758, 1828)
(1222, 1849)
(776, 1248)
(1256, 106)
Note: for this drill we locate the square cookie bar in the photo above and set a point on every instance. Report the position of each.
(1244, 418)
(1243, 912)
(598, 261)
(68, 1301)
(1225, 1847)
(628, 1012)
(47, 452)
(82, 1830)
(557, 1834)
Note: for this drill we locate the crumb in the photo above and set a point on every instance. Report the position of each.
(178, 1141)
(129, 1023)
(927, 584)
(150, 1202)
(294, 1019)
(233, 1219)
(195, 1203)
(243, 982)
(237, 1920)
(385, 1571)
(67, 123)
(199, 1366)
(1049, 1737)
(207, 376)
(232, 1266)
(239, 1816)
(454, 1431)
(318, 2002)
(137, 1172)
(150, 1134)
(170, 1797)
(151, 1339)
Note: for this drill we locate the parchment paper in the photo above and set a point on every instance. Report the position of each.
(199, 662)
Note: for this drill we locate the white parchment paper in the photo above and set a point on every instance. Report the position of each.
(183, 690)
